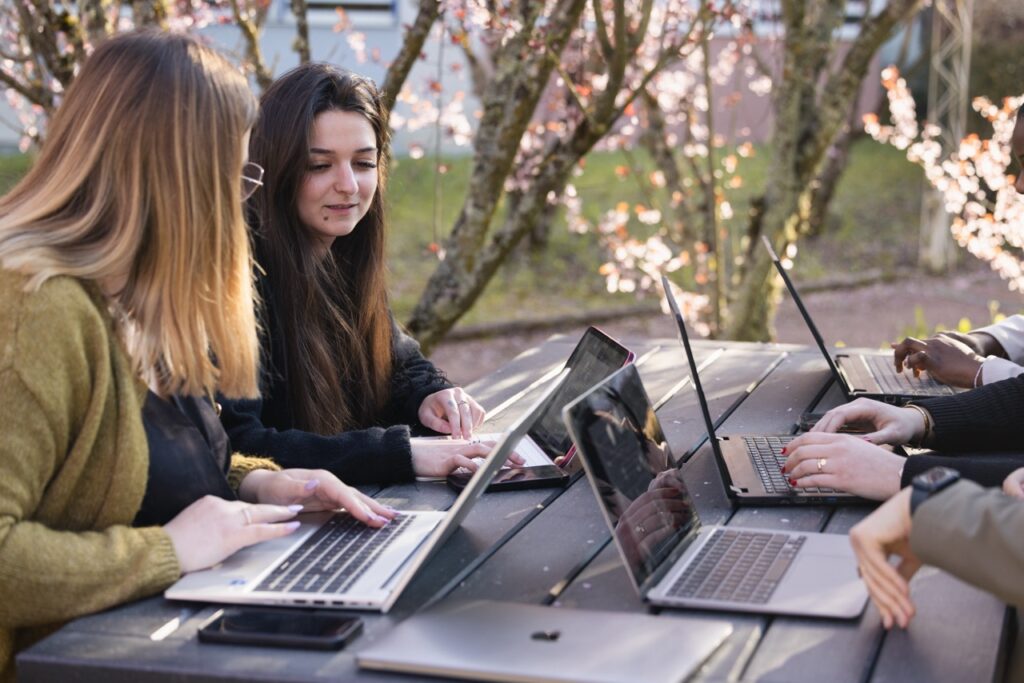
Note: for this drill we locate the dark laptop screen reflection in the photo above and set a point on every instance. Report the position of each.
(644, 495)
(597, 359)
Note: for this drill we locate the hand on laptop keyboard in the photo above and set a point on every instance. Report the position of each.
(313, 490)
(887, 423)
(842, 462)
(950, 358)
(440, 457)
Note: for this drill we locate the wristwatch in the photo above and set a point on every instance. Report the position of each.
(930, 482)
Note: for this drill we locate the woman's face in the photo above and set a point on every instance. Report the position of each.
(341, 175)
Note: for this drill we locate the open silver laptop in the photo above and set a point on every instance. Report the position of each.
(670, 556)
(504, 641)
(871, 376)
(334, 561)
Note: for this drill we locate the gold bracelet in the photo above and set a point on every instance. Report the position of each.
(927, 417)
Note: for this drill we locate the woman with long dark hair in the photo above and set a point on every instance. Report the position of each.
(342, 385)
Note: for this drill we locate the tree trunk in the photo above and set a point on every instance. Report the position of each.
(520, 75)
(811, 104)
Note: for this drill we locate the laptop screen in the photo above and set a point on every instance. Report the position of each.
(629, 464)
(595, 357)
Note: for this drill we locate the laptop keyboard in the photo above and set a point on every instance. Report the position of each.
(766, 453)
(738, 566)
(334, 557)
(903, 383)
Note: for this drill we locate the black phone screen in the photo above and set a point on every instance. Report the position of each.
(292, 628)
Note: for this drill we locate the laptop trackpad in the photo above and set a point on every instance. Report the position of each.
(821, 583)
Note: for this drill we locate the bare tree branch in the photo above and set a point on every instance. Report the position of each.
(250, 23)
(301, 43)
(412, 46)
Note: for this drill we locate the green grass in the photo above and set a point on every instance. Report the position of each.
(12, 167)
(873, 223)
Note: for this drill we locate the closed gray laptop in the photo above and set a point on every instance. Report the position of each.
(503, 641)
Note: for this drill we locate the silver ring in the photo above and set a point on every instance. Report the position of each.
(640, 530)
(248, 515)
(821, 465)
(452, 403)
(463, 403)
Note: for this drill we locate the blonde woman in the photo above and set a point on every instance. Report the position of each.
(125, 270)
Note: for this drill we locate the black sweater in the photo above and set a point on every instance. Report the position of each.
(988, 419)
(379, 454)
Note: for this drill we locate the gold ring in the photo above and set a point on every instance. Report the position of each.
(247, 515)
(821, 465)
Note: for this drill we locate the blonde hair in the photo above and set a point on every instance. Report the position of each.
(139, 182)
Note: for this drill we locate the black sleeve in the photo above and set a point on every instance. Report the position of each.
(989, 418)
(412, 380)
(362, 456)
(987, 469)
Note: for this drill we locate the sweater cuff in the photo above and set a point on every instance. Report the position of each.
(930, 533)
(242, 465)
(996, 369)
(393, 463)
(162, 567)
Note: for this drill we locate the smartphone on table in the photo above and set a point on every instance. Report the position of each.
(512, 478)
(280, 628)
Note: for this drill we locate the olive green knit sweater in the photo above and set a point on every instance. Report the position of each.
(73, 465)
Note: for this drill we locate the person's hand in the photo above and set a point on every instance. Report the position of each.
(451, 411)
(1013, 485)
(884, 532)
(891, 424)
(440, 457)
(313, 490)
(844, 462)
(946, 357)
(211, 529)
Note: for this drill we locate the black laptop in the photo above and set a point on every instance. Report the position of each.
(865, 375)
(751, 464)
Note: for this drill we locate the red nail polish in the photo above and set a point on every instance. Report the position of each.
(792, 482)
(784, 450)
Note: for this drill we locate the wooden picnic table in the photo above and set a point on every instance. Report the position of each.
(551, 547)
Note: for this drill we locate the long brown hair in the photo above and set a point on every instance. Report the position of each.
(139, 182)
(333, 310)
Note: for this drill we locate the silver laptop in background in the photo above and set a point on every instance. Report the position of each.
(504, 641)
(864, 375)
(333, 561)
(670, 556)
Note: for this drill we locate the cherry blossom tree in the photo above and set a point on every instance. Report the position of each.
(554, 79)
(973, 180)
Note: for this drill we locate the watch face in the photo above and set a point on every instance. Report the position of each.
(936, 478)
